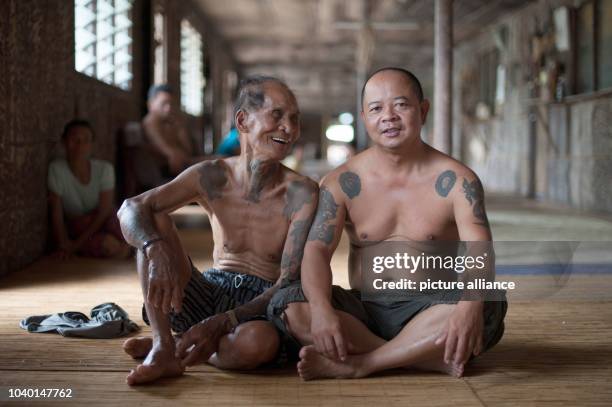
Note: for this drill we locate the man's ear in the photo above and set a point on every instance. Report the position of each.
(424, 110)
(362, 114)
(241, 121)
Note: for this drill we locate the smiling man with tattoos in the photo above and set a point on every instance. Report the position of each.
(260, 213)
(400, 189)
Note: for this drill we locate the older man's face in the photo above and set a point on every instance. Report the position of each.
(274, 127)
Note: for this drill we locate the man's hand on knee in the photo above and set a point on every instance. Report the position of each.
(327, 333)
(202, 340)
(462, 335)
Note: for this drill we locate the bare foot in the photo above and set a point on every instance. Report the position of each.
(438, 365)
(160, 362)
(313, 365)
(138, 347)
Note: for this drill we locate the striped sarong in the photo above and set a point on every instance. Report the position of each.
(213, 292)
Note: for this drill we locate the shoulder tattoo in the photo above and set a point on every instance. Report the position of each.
(212, 179)
(350, 184)
(298, 194)
(445, 183)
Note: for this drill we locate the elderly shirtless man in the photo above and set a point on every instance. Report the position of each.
(260, 213)
(398, 189)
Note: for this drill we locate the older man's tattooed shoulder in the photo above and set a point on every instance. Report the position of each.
(299, 193)
(213, 178)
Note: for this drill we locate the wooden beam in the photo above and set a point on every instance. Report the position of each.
(443, 68)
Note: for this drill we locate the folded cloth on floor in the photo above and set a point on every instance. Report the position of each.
(107, 321)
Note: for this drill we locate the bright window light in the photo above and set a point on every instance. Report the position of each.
(337, 154)
(340, 132)
(159, 47)
(103, 40)
(192, 70)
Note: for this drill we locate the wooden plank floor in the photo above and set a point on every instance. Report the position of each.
(555, 352)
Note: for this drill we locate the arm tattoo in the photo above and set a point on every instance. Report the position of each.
(212, 179)
(257, 306)
(350, 183)
(326, 211)
(445, 182)
(291, 262)
(474, 193)
(298, 194)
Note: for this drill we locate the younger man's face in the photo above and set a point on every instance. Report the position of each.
(392, 112)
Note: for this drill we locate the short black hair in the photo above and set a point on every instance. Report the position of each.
(250, 94)
(155, 89)
(76, 123)
(414, 81)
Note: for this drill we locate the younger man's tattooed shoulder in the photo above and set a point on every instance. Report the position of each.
(350, 184)
(445, 183)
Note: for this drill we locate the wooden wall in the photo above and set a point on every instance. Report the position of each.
(554, 151)
(40, 91)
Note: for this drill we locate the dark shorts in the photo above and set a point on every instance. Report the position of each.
(213, 292)
(386, 319)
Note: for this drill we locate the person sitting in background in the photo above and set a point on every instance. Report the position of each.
(81, 193)
(166, 134)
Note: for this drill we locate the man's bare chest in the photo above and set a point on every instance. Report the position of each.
(246, 224)
(400, 215)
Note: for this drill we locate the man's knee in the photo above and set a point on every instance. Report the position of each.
(297, 321)
(252, 344)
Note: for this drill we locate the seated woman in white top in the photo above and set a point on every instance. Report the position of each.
(81, 191)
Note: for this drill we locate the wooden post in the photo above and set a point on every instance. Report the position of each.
(363, 59)
(361, 135)
(443, 70)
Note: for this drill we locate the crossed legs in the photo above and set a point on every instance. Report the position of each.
(414, 347)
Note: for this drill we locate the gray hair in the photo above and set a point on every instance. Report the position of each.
(251, 94)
